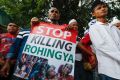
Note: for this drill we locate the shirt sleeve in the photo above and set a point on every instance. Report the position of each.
(86, 39)
(102, 46)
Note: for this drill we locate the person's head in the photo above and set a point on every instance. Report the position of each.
(67, 68)
(74, 24)
(12, 28)
(51, 72)
(53, 14)
(99, 9)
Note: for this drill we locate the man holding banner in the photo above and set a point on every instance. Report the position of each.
(46, 45)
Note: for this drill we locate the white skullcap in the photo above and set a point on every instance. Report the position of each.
(115, 21)
(72, 20)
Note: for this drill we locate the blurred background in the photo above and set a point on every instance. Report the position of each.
(21, 11)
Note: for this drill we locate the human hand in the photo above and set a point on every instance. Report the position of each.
(5, 70)
(93, 61)
(34, 20)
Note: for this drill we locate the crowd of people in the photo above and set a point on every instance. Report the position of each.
(97, 52)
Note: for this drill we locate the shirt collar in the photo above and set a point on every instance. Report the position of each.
(106, 24)
(101, 23)
(49, 21)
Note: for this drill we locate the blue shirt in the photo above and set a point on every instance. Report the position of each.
(17, 47)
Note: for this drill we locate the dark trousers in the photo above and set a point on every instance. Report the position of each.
(104, 77)
(80, 73)
(10, 74)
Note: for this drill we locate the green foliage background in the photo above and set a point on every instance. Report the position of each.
(21, 11)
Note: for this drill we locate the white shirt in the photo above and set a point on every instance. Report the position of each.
(106, 42)
(78, 56)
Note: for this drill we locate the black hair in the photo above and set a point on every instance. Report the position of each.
(96, 3)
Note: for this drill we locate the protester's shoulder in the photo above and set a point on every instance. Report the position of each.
(92, 24)
(3, 35)
(22, 33)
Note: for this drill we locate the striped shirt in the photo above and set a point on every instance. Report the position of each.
(17, 47)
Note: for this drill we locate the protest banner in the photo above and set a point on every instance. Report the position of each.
(49, 50)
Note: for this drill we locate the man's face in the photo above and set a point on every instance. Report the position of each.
(12, 28)
(54, 14)
(100, 11)
(74, 25)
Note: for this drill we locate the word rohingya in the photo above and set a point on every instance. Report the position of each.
(48, 53)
